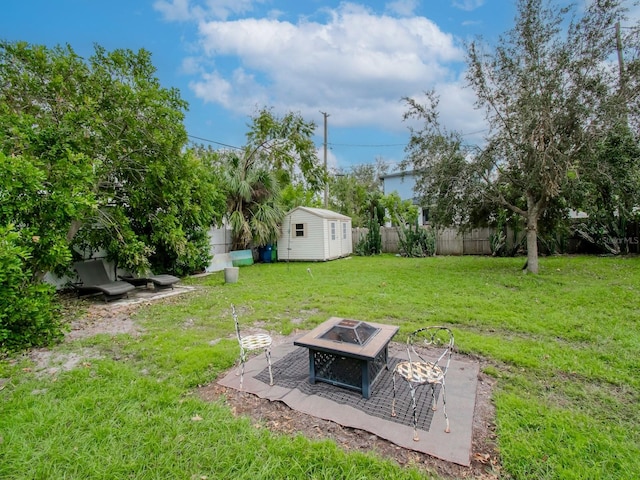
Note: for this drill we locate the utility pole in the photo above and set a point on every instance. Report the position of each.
(622, 91)
(620, 59)
(326, 184)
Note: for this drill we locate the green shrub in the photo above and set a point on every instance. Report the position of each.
(416, 241)
(196, 255)
(29, 315)
(498, 243)
(371, 243)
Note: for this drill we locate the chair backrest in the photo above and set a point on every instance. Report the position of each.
(435, 339)
(235, 320)
(92, 272)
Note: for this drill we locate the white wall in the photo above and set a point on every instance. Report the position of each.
(311, 246)
(317, 244)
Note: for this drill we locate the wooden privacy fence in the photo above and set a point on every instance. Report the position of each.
(448, 241)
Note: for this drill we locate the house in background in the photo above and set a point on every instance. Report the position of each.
(403, 183)
(314, 234)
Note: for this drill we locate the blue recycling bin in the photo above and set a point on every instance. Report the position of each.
(266, 253)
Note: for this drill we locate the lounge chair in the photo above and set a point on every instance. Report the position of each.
(95, 279)
(159, 281)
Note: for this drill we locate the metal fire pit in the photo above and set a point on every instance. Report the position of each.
(347, 353)
(351, 331)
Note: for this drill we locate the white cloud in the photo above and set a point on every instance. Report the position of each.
(467, 5)
(357, 65)
(238, 93)
(174, 10)
(457, 111)
(213, 88)
(222, 9)
(403, 8)
(332, 160)
(183, 10)
(191, 66)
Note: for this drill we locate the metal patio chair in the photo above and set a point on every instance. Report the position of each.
(418, 371)
(257, 341)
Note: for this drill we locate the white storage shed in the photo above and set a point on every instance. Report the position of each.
(314, 234)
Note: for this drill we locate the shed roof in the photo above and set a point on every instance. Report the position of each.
(322, 212)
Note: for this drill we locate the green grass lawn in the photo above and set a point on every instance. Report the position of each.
(564, 346)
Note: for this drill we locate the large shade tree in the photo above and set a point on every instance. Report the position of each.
(550, 93)
(104, 142)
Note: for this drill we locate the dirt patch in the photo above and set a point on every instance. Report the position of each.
(99, 318)
(107, 319)
(49, 363)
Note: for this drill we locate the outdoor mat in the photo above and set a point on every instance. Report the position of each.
(293, 372)
(290, 366)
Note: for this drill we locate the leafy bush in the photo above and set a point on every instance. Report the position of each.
(609, 237)
(416, 241)
(371, 243)
(194, 259)
(498, 243)
(29, 315)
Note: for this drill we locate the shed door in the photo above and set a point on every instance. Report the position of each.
(334, 239)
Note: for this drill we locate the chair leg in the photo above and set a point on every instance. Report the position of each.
(393, 402)
(444, 407)
(239, 362)
(267, 352)
(242, 360)
(415, 412)
(434, 406)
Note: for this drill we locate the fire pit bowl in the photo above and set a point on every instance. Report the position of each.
(351, 331)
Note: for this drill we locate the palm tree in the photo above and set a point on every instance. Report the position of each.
(253, 201)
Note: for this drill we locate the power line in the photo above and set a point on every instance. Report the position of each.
(326, 186)
(355, 145)
(367, 145)
(473, 133)
(213, 141)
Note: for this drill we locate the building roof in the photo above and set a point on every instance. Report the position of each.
(322, 212)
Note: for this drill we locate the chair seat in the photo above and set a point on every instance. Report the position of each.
(164, 279)
(420, 372)
(159, 281)
(258, 340)
(95, 279)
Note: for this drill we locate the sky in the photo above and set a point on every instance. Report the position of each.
(354, 61)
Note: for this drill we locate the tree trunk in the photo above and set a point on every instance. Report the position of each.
(532, 235)
(73, 229)
(532, 249)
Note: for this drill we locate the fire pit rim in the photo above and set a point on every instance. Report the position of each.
(350, 325)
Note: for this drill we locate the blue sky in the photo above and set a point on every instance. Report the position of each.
(352, 60)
